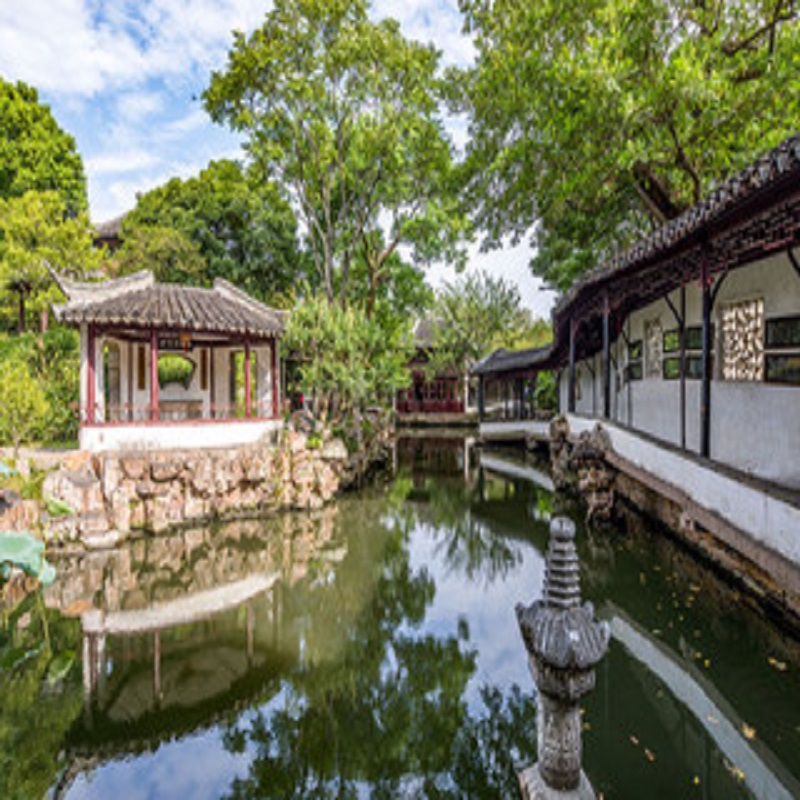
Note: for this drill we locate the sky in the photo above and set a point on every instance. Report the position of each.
(125, 77)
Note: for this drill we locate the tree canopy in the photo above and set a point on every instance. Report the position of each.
(345, 113)
(215, 225)
(35, 231)
(477, 314)
(35, 153)
(591, 122)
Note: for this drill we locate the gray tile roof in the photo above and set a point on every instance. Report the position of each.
(137, 301)
(503, 360)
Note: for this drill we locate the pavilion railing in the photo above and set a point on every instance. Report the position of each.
(173, 411)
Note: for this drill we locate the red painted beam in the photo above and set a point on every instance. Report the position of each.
(274, 353)
(91, 376)
(248, 381)
(154, 375)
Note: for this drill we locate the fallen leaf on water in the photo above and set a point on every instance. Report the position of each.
(707, 663)
(650, 755)
(779, 665)
(748, 731)
(734, 770)
(696, 780)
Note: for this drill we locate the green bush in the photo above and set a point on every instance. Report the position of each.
(174, 368)
(53, 359)
(23, 405)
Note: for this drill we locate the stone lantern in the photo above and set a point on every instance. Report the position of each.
(564, 643)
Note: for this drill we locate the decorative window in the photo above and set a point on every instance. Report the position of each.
(174, 368)
(633, 369)
(743, 340)
(693, 337)
(653, 348)
(782, 356)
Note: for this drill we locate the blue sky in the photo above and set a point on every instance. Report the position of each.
(124, 77)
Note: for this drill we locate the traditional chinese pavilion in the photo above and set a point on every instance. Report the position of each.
(165, 366)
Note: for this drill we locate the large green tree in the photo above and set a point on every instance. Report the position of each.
(225, 227)
(36, 231)
(35, 153)
(344, 112)
(594, 121)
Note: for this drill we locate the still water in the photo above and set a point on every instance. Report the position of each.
(371, 650)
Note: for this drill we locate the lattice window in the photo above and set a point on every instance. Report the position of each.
(653, 348)
(743, 340)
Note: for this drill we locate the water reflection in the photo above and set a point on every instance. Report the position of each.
(371, 649)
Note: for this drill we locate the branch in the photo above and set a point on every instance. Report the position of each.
(731, 48)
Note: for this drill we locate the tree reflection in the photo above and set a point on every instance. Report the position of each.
(376, 705)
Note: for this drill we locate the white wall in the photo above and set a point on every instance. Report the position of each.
(177, 436)
(755, 427)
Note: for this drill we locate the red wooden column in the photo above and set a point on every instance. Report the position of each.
(91, 376)
(274, 354)
(248, 381)
(154, 376)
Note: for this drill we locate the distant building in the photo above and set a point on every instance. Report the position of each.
(442, 393)
(107, 234)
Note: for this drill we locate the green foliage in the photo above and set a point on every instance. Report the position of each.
(475, 315)
(596, 120)
(173, 368)
(222, 225)
(546, 392)
(36, 230)
(344, 112)
(54, 360)
(23, 405)
(41, 697)
(350, 360)
(35, 154)
(171, 255)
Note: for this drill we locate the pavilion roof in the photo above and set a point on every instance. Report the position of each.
(503, 361)
(138, 301)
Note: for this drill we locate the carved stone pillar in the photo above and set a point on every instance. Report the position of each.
(564, 644)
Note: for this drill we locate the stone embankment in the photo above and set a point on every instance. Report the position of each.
(582, 463)
(113, 496)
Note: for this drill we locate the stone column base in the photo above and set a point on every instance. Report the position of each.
(533, 787)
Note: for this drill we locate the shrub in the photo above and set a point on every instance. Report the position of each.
(23, 405)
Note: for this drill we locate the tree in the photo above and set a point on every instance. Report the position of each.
(23, 405)
(35, 153)
(227, 227)
(35, 231)
(593, 122)
(476, 315)
(344, 112)
(349, 360)
(170, 254)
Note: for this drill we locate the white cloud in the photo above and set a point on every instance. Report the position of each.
(120, 161)
(78, 47)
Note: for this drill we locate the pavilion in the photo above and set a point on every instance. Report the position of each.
(168, 366)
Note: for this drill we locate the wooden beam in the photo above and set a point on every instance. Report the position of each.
(274, 371)
(91, 375)
(248, 384)
(154, 376)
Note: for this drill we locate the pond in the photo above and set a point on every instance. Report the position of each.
(371, 649)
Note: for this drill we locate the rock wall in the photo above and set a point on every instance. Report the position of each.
(114, 495)
(581, 463)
